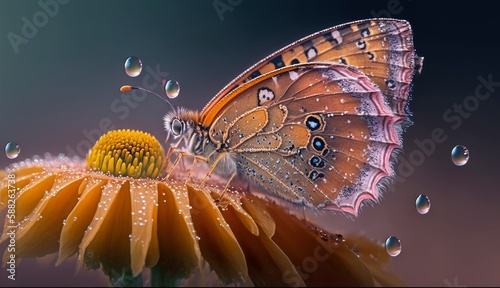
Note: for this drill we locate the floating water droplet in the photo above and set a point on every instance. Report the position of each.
(393, 246)
(460, 155)
(12, 150)
(172, 89)
(133, 66)
(423, 204)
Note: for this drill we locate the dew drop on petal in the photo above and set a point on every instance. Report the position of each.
(393, 246)
(133, 66)
(172, 89)
(12, 150)
(423, 204)
(460, 155)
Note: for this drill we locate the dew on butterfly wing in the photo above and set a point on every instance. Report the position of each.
(460, 155)
(133, 66)
(423, 204)
(393, 246)
(172, 89)
(12, 150)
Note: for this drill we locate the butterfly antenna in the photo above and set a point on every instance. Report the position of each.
(126, 88)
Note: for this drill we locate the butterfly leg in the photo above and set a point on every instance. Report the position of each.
(185, 154)
(212, 167)
(195, 158)
(178, 159)
(172, 166)
(174, 147)
(225, 188)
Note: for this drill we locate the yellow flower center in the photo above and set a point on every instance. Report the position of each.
(127, 153)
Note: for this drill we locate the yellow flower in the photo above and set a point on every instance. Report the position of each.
(118, 215)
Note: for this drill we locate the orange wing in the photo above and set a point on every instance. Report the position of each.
(319, 121)
(319, 134)
(382, 49)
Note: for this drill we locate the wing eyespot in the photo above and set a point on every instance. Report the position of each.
(314, 122)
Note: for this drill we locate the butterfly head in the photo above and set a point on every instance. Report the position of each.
(180, 122)
(183, 124)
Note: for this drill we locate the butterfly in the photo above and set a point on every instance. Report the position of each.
(317, 123)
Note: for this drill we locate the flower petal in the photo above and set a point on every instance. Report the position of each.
(38, 234)
(267, 263)
(123, 225)
(217, 242)
(320, 262)
(20, 182)
(153, 253)
(261, 216)
(30, 196)
(179, 252)
(80, 218)
(106, 241)
(144, 198)
(375, 258)
(234, 201)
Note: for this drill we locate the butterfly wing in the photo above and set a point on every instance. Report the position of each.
(324, 134)
(382, 49)
(320, 134)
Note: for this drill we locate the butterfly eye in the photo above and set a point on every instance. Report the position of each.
(176, 127)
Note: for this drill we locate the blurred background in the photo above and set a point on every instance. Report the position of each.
(59, 91)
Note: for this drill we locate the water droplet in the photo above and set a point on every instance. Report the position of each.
(423, 204)
(460, 155)
(12, 150)
(355, 251)
(393, 246)
(172, 89)
(339, 238)
(133, 66)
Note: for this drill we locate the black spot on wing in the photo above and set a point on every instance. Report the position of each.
(278, 62)
(328, 37)
(365, 32)
(313, 175)
(363, 25)
(318, 144)
(345, 30)
(390, 84)
(361, 44)
(317, 162)
(314, 122)
(255, 74)
(307, 45)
